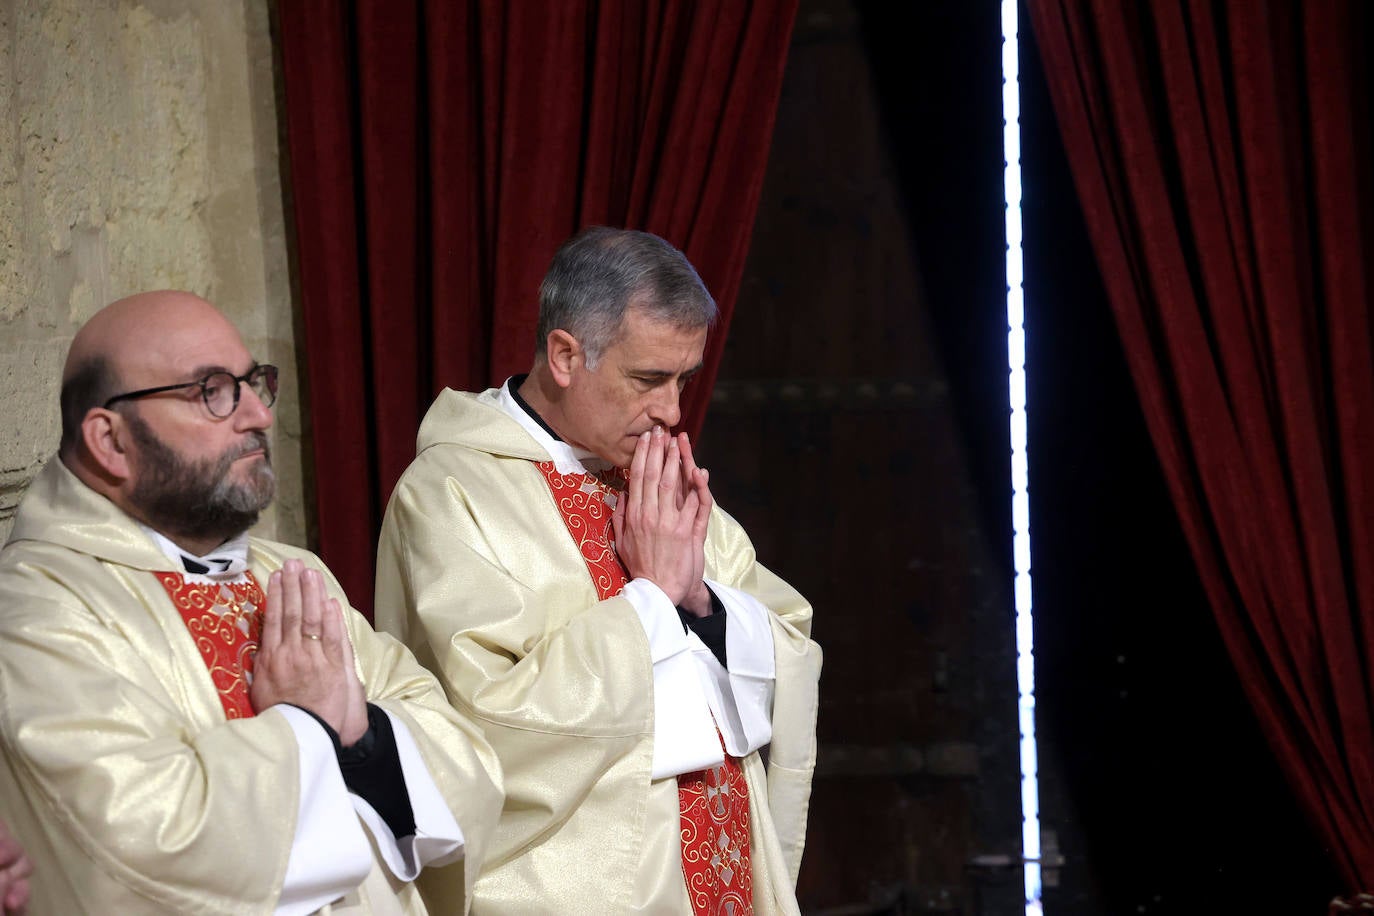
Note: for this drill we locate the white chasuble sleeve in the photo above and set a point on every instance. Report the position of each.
(438, 840)
(684, 732)
(330, 855)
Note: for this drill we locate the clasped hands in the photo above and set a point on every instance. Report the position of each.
(15, 869)
(305, 657)
(660, 525)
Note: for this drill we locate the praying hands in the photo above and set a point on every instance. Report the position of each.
(305, 657)
(660, 527)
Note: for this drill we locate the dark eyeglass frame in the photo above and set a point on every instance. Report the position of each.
(267, 373)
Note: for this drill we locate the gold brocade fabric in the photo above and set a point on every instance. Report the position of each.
(120, 773)
(477, 574)
(715, 802)
(225, 620)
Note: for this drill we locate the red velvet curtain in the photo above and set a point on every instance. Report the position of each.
(441, 151)
(1221, 157)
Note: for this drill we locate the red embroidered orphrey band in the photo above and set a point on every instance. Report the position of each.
(714, 803)
(226, 623)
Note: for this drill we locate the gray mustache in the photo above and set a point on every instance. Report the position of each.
(256, 440)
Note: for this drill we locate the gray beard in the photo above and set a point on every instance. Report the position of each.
(196, 499)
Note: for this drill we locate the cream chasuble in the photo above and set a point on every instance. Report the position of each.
(477, 573)
(133, 787)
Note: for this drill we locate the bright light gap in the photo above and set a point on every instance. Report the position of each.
(1020, 498)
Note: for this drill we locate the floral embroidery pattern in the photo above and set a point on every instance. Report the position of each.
(225, 620)
(714, 803)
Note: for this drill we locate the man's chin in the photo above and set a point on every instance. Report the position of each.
(252, 492)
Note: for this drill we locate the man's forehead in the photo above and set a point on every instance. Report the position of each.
(158, 337)
(191, 352)
(643, 336)
(210, 356)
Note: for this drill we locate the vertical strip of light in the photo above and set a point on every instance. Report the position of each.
(1020, 498)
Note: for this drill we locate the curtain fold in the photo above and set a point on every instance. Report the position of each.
(439, 154)
(1220, 154)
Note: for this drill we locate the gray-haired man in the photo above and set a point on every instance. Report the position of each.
(564, 570)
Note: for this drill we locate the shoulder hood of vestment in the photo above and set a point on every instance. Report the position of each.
(60, 510)
(476, 421)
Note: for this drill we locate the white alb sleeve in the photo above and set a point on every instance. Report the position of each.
(330, 855)
(742, 697)
(438, 840)
(684, 732)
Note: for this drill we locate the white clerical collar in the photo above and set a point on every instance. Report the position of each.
(566, 458)
(227, 562)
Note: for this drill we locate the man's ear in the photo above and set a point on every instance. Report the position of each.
(106, 436)
(564, 354)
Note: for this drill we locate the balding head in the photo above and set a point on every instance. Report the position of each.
(129, 344)
(138, 425)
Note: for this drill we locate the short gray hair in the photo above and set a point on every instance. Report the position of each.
(600, 272)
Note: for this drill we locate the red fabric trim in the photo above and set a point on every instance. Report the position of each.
(225, 620)
(713, 803)
(715, 840)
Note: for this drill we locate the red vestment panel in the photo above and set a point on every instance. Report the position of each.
(714, 803)
(225, 620)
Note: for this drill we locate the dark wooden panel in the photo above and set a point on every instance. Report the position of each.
(834, 439)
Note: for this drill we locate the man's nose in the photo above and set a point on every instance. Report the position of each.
(667, 407)
(251, 413)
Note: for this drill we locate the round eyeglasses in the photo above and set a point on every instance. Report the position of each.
(219, 390)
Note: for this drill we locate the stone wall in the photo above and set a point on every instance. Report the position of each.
(138, 150)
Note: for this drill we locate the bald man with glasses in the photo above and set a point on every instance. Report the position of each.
(193, 719)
